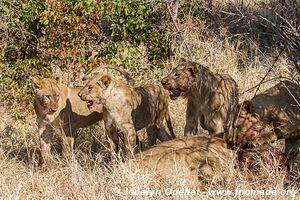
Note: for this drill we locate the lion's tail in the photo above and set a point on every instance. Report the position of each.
(96, 70)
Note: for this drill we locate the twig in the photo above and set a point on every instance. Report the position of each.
(269, 70)
(295, 99)
(176, 26)
(248, 90)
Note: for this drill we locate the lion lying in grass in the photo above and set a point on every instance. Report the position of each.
(193, 158)
(201, 159)
(212, 98)
(127, 109)
(278, 107)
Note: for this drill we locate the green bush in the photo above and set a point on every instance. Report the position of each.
(135, 22)
(40, 34)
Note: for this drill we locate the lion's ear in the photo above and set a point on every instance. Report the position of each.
(193, 68)
(248, 107)
(58, 79)
(105, 80)
(36, 82)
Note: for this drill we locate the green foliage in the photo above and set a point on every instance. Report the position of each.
(37, 35)
(15, 82)
(135, 23)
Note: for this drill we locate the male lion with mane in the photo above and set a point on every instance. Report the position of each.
(212, 98)
(127, 109)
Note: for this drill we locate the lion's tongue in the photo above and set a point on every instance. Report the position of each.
(89, 104)
(175, 93)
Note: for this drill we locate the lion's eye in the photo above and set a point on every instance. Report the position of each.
(90, 88)
(48, 96)
(176, 75)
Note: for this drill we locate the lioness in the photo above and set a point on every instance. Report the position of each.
(250, 130)
(278, 106)
(127, 109)
(212, 98)
(58, 106)
(195, 158)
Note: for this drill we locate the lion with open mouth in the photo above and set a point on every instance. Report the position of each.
(127, 109)
(212, 98)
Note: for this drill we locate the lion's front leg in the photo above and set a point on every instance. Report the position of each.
(192, 118)
(68, 141)
(46, 135)
(113, 138)
(129, 139)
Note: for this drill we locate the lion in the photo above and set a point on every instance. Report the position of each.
(250, 130)
(277, 107)
(127, 109)
(212, 98)
(196, 158)
(199, 159)
(58, 106)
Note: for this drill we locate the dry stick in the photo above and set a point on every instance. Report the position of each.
(266, 81)
(265, 76)
(295, 99)
(257, 85)
(176, 26)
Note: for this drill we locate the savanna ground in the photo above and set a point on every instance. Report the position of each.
(67, 38)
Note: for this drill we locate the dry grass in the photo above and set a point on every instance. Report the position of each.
(86, 177)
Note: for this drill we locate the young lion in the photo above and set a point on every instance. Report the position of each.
(212, 98)
(58, 106)
(279, 107)
(196, 158)
(127, 109)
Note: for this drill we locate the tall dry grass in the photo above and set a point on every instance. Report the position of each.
(86, 177)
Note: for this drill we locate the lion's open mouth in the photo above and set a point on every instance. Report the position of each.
(175, 93)
(90, 104)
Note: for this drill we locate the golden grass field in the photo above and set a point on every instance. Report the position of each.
(86, 177)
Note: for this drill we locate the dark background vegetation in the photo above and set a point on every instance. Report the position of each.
(38, 38)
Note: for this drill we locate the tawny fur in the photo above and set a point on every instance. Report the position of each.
(127, 109)
(212, 98)
(278, 106)
(59, 107)
(195, 158)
